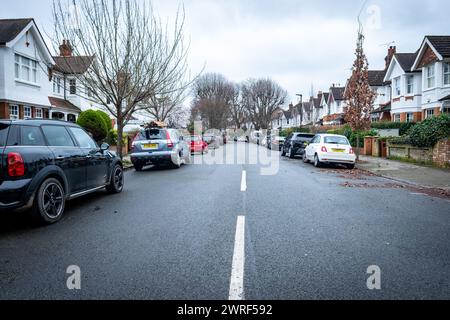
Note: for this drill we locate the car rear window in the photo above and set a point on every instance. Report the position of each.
(152, 134)
(4, 128)
(194, 138)
(304, 137)
(336, 140)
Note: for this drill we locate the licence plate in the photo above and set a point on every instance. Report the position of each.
(150, 146)
(338, 150)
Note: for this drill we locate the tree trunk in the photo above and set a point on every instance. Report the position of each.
(120, 135)
(357, 148)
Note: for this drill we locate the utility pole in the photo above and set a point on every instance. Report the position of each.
(301, 109)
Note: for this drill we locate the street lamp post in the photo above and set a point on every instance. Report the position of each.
(301, 109)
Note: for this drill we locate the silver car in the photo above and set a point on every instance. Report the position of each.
(160, 146)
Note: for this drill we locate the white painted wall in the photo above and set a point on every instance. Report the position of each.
(430, 97)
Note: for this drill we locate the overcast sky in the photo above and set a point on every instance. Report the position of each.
(298, 43)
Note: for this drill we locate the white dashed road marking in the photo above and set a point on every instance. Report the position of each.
(244, 181)
(237, 271)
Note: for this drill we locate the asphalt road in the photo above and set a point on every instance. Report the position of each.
(309, 234)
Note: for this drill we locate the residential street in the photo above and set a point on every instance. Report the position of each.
(309, 234)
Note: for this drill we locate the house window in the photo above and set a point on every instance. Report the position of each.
(57, 85)
(73, 86)
(14, 112)
(38, 113)
(397, 87)
(27, 112)
(429, 113)
(409, 117)
(410, 85)
(25, 69)
(429, 74)
(446, 73)
(90, 92)
(397, 117)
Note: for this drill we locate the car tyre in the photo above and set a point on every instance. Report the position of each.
(49, 202)
(283, 153)
(177, 163)
(138, 167)
(305, 158)
(351, 166)
(116, 181)
(317, 162)
(291, 154)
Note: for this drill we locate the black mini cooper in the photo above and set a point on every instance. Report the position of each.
(43, 163)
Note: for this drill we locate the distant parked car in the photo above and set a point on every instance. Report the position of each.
(44, 163)
(295, 144)
(159, 146)
(212, 141)
(326, 148)
(198, 145)
(276, 143)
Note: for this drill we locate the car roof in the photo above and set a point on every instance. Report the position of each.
(331, 135)
(39, 122)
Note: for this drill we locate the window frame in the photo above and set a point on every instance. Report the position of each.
(57, 84)
(446, 73)
(73, 87)
(11, 115)
(74, 143)
(397, 117)
(22, 63)
(430, 77)
(409, 117)
(429, 113)
(397, 87)
(71, 131)
(41, 111)
(25, 109)
(410, 85)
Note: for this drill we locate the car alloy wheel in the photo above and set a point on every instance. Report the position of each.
(118, 178)
(305, 159)
(316, 161)
(52, 200)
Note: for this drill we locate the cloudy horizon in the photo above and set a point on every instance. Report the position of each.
(300, 44)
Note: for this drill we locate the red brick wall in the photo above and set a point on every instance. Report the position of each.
(441, 153)
(4, 110)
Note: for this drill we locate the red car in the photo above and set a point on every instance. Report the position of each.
(198, 145)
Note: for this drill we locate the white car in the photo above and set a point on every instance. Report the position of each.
(330, 148)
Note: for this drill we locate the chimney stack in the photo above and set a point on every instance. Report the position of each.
(65, 50)
(391, 51)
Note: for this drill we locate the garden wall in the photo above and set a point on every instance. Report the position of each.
(439, 155)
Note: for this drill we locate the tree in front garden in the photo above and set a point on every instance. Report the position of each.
(94, 123)
(358, 94)
(136, 55)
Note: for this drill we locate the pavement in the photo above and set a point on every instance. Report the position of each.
(179, 234)
(405, 172)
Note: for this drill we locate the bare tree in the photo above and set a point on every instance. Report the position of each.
(135, 56)
(237, 110)
(213, 97)
(261, 97)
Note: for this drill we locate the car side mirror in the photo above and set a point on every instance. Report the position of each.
(104, 147)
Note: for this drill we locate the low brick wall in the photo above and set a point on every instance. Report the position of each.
(407, 151)
(441, 153)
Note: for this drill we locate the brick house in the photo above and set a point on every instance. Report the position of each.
(433, 59)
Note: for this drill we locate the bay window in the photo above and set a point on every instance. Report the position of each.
(397, 87)
(410, 84)
(446, 73)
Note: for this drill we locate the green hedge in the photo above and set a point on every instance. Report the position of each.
(402, 126)
(106, 118)
(94, 123)
(428, 132)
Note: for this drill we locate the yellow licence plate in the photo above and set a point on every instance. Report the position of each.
(338, 150)
(151, 146)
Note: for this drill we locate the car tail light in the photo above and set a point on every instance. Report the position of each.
(16, 165)
(352, 151)
(324, 149)
(169, 141)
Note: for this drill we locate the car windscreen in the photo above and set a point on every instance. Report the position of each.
(208, 138)
(336, 140)
(194, 138)
(152, 134)
(4, 127)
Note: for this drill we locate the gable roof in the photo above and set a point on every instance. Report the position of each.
(406, 60)
(11, 28)
(337, 93)
(287, 114)
(376, 77)
(325, 97)
(63, 104)
(73, 65)
(440, 45)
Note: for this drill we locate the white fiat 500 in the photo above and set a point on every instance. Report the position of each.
(330, 148)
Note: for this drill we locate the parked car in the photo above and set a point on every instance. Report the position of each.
(295, 144)
(276, 143)
(198, 145)
(212, 141)
(159, 146)
(44, 163)
(327, 148)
